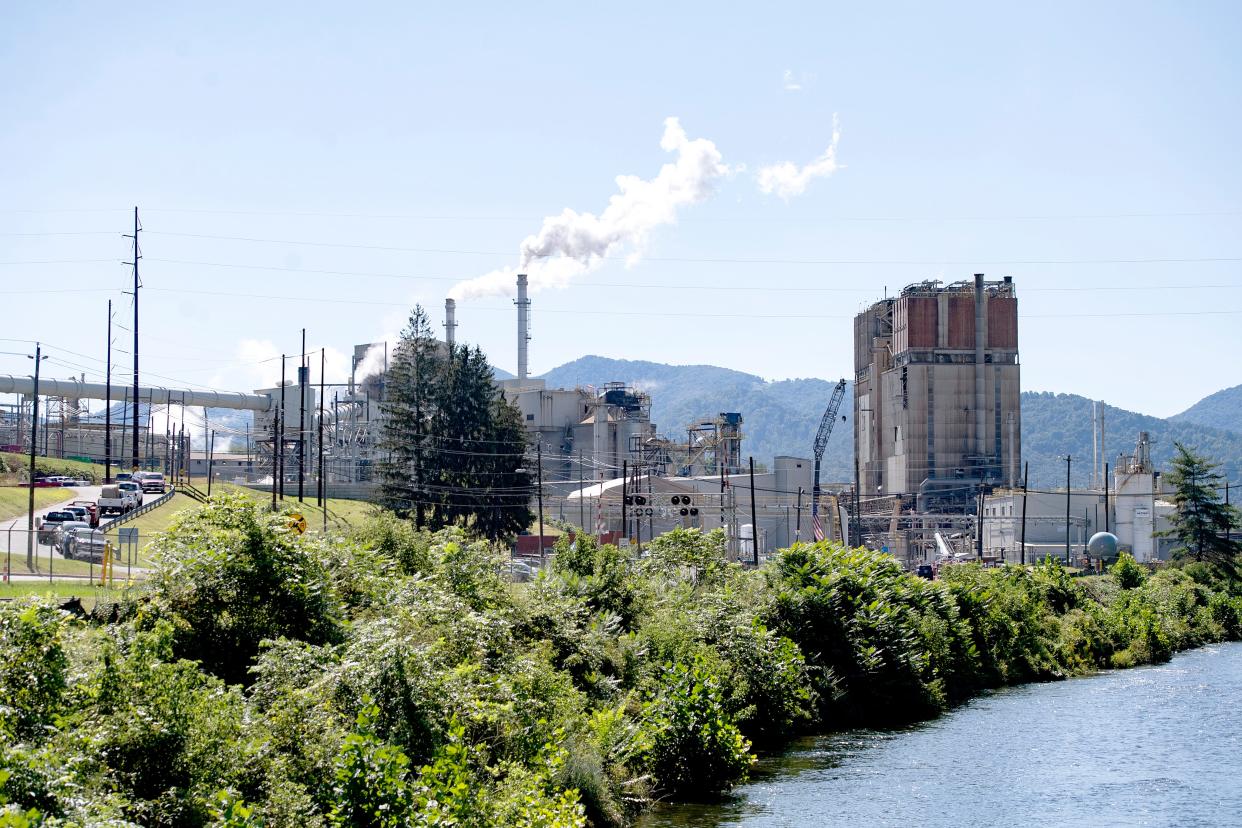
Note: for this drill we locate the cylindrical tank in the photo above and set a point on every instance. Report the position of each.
(1103, 545)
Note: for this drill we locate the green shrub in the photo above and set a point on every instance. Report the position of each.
(33, 669)
(695, 750)
(371, 788)
(1127, 572)
(229, 576)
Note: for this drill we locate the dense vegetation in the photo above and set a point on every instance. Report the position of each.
(395, 678)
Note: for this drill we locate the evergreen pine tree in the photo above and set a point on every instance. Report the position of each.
(410, 389)
(454, 445)
(1202, 520)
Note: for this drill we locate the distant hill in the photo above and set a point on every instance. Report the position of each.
(781, 418)
(1054, 425)
(1220, 410)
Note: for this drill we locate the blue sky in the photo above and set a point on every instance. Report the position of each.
(286, 153)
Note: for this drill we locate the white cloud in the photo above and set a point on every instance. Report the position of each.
(572, 243)
(789, 83)
(788, 179)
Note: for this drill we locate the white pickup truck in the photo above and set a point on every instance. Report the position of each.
(113, 500)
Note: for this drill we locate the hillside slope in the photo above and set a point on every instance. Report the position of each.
(1220, 410)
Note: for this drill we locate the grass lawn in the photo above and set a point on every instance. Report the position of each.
(11, 463)
(60, 566)
(15, 500)
(60, 592)
(341, 515)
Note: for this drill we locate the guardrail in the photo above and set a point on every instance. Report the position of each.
(143, 509)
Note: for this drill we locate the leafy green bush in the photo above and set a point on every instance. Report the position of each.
(229, 576)
(32, 669)
(695, 750)
(1127, 572)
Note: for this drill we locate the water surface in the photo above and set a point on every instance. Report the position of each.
(1148, 746)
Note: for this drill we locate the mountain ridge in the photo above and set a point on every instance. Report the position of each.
(781, 416)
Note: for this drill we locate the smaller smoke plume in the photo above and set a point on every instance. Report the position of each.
(572, 243)
(372, 363)
(788, 179)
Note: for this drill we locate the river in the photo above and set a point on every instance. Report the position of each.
(1147, 746)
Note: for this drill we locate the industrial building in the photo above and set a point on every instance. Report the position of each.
(1136, 507)
(774, 513)
(936, 395)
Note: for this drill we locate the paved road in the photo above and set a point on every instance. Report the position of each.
(13, 536)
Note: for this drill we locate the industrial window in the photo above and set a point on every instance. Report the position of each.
(530, 417)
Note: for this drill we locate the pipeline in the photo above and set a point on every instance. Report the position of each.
(75, 390)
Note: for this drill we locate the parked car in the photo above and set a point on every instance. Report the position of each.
(79, 482)
(64, 532)
(85, 544)
(153, 483)
(50, 523)
(133, 489)
(91, 507)
(113, 501)
(925, 571)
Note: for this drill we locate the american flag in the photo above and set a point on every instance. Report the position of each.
(817, 527)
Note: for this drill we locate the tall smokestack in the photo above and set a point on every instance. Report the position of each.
(523, 333)
(981, 338)
(450, 322)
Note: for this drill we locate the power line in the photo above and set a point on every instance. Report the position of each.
(715, 260)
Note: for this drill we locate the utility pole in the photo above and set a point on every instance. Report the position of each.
(1108, 526)
(211, 458)
(124, 423)
(979, 539)
(322, 490)
(625, 479)
(798, 523)
(1026, 477)
(137, 284)
(581, 489)
(539, 495)
(303, 381)
(275, 437)
(281, 478)
(185, 454)
(1067, 510)
(754, 520)
(108, 404)
(34, 448)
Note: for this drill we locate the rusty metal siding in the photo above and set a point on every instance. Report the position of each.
(922, 322)
(961, 321)
(1003, 322)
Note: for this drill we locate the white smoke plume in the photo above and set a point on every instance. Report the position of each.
(573, 243)
(373, 361)
(788, 179)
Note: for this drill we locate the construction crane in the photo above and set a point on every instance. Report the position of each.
(821, 442)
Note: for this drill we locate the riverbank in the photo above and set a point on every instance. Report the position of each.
(312, 680)
(1155, 745)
